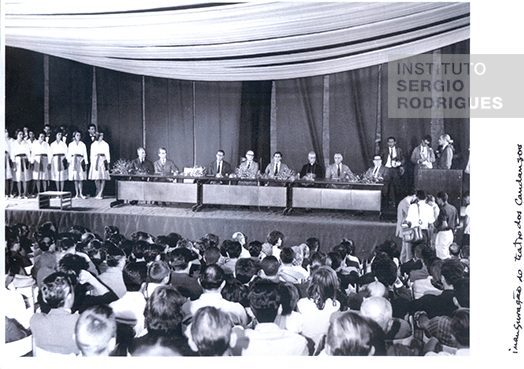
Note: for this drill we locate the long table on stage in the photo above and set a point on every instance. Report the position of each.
(263, 192)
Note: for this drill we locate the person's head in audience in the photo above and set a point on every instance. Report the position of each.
(235, 291)
(115, 257)
(390, 248)
(211, 332)
(179, 259)
(289, 297)
(287, 256)
(142, 236)
(72, 264)
(233, 250)
(240, 238)
(318, 259)
(442, 198)
(341, 249)
(417, 251)
(264, 300)
(211, 255)
(254, 248)
(461, 289)
(63, 246)
(139, 250)
(269, 268)
(246, 269)
(384, 269)
(452, 270)
(454, 250)
(373, 289)
(153, 252)
(323, 286)
(163, 315)
(158, 272)
(134, 275)
(460, 327)
(275, 238)
(435, 268)
(351, 334)
(57, 291)
(313, 244)
(95, 250)
(464, 252)
(212, 278)
(378, 309)
(334, 260)
(95, 331)
(214, 240)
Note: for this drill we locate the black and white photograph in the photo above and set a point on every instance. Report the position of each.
(271, 179)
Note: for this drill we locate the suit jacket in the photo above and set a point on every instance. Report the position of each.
(332, 172)
(139, 167)
(250, 172)
(270, 169)
(445, 159)
(400, 156)
(416, 156)
(380, 174)
(167, 169)
(316, 169)
(212, 168)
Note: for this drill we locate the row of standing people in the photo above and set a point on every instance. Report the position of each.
(40, 161)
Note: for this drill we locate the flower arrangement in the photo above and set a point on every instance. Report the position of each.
(242, 172)
(285, 174)
(121, 166)
(196, 171)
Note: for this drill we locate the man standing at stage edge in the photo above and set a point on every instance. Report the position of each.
(393, 159)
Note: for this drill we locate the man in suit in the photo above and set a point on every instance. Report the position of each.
(376, 174)
(248, 168)
(312, 170)
(88, 139)
(276, 166)
(338, 170)
(163, 165)
(141, 164)
(219, 167)
(393, 161)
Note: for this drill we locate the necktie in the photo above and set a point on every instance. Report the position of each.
(276, 169)
(248, 165)
(338, 170)
(219, 170)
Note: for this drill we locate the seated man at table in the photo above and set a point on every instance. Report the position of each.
(276, 166)
(338, 170)
(312, 170)
(163, 165)
(248, 168)
(219, 167)
(376, 174)
(141, 165)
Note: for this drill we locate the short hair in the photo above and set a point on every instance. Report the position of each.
(264, 300)
(221, 151)
(179, 258)
(391, 138)
(254, 248)
(287, 255)
(55, 289)
(452, 270)
(64, 244)
(322, 286)
(140, 149)
(234, 249)
(378, 309)
(443, 196)
(274, 236)
(351, 334)
(235, 291)
(334, 260)
(421, 195)
(270, 265)
(318, 259)
(454, 249)
(161, 148)
(289, 297)
(278, 153)
(245, 269)
(435, 270)
(72, 265)
(212, 255)
(341, 249)
(113, 254)
(95, 327)
(428, 138)
(374, 288)
(237, 236)
(157, 271)
(460, 326)
(211, 331)
(313, 243)
(212, 277)
(461, 289)
(384, 269)
(214, 240)
(139, 249)
(134, 274)
(163, 315)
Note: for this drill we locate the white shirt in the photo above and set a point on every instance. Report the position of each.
(423, 218)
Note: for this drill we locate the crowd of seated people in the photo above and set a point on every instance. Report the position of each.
(75, 292)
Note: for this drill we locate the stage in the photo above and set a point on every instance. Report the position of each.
(256, 222)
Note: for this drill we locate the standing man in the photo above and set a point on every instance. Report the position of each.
(219, 167)
(89, 138)
(338, 170)
(393, 160)
(312, 170)
(141, 165)
(446, 152)
(276, 166)
(163, 165)
(445, 226)
(423, 155)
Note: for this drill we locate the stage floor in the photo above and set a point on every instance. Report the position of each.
(329, 226)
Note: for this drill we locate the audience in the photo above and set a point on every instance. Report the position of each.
(112, 295)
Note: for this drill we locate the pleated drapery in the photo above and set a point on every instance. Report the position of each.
(232, 41)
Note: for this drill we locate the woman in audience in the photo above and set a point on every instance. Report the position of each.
(320, 303)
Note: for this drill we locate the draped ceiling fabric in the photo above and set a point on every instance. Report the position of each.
(200, 41)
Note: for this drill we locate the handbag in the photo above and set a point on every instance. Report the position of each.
(412, 234)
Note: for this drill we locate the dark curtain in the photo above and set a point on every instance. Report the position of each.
(254, 120)
(299, 119)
